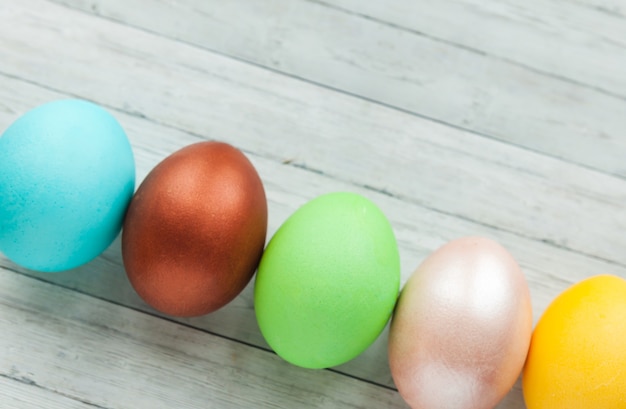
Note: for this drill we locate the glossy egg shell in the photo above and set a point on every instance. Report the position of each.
(195, 230)
(67, 174)
(328, 281)
(462, 327)
(578, 349)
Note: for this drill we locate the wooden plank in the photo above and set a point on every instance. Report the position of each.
(21, 394)
(113, 357)
(559, 38)
(419, 231)
(613, 8)
(442, 168)
(545, 75)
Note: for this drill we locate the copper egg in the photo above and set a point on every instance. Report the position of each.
(195, 230)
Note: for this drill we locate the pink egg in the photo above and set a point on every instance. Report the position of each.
(461, 330)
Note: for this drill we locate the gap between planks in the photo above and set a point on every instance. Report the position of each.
(110, 353)
(419, 231)
(23, 393)
(492, 106)
(557, 207)
(371, 9)
(174, 320)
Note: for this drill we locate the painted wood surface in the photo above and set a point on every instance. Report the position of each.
(614, 8)
(20, 392)
(315, 128)
(511, 70)
(112, 357)
(189, 78)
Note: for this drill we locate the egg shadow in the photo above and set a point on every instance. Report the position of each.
(103, 278)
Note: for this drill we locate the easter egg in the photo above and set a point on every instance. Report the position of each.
(195, 230)
(328, 281)
(578, 350)
(461, 329)
(67, 174)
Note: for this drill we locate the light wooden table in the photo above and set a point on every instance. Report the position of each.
(457, 117)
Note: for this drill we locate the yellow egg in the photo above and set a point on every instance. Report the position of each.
(577, 357)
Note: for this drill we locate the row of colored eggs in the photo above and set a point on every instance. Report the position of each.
(327, 282)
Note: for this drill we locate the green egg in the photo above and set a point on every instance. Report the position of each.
(328, 281)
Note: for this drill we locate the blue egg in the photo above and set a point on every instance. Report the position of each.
(67, 175)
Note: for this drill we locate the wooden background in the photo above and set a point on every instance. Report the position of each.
(457, 117)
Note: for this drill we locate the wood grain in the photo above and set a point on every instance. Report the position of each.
(315, 128)
(419, 231)
(22, 393)
(113, 357)
(555, 38)
(546, 75)
(613, 8)
(320, 99)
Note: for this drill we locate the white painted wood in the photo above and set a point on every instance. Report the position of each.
(420, 161)
(435, 183)
(558, 38)
(613, 8)
(547, 75)
(419, 230)
(114, 357)
(15, 394)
